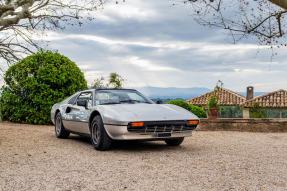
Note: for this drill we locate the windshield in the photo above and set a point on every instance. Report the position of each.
(104, 97)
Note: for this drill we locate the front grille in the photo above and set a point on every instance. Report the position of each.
(162, 126)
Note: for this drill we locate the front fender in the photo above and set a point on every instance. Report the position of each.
(94, 112)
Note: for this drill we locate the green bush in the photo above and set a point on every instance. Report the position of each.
(37, 82)
(180, 103)
(256, 111)
(231, 112)
(198, 111)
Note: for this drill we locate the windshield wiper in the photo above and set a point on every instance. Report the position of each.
(108, 103)
(133, 101)
(130, 101)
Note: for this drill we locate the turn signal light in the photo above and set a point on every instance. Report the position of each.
(137, 124)
(193, 122)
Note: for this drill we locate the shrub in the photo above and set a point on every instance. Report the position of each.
(231, 112)
(37, 82)
(256, 111)
(198, 111)
(180, 103)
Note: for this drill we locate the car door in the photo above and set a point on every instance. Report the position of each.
(79, 115)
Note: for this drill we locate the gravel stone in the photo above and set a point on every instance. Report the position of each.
(32, 158)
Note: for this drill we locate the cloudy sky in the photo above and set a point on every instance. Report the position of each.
(153, 43)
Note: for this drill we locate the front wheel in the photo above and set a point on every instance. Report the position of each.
(60, 130)
(100, 139)
(174, 141)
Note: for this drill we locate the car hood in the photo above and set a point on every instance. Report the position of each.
(143, 112)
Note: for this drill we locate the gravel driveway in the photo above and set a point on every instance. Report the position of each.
(32, 158)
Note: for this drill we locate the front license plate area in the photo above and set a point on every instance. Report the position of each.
(164, 135)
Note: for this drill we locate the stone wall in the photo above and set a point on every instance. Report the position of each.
(252, 125)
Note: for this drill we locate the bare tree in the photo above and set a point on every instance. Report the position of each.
(266, 19)
(23, 20)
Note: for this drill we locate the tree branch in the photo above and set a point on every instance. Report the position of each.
(20, 20)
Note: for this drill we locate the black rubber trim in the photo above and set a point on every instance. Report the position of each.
(81, 134)
(74, 108)
(115, 124)
(75, 121)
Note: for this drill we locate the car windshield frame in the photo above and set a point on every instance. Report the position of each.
(121, 96)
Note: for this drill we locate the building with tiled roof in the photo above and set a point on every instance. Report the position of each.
(226, 98)
(276, 99)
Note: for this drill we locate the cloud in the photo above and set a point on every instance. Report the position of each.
(147, 65)
(174, 45)
(154, 43)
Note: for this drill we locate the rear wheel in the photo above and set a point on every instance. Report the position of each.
(100, 139)
(174, 141)
(60, 130)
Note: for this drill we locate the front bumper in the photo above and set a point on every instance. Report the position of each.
(118, 132)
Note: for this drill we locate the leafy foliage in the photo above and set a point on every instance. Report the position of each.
(274, 113)
(165, 100)
(98, 83)
(37, 82)
(212, 102)
(115, 80)
(256, 111)
(198, 111)
(231, 112)
(180, 103)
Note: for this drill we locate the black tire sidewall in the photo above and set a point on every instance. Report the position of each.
(96, 121)
(104, 141)
(63, 133)
(61, 125)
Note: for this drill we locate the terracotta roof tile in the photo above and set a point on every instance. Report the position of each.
(226, 98)
(272, 100)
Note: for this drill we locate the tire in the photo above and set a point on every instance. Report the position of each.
(100, 139)
(60, 130)
(174, 141)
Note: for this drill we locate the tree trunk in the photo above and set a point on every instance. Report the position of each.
(280, 3)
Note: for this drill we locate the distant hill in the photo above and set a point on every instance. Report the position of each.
(172, 92)
(255, 93)
(181, 93)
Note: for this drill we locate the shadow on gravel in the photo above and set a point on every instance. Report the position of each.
(137, 145)
(81, 139)
(151, 146)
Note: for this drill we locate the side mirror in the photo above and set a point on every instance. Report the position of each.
(159, 102)
(68, 110)
(82, 103)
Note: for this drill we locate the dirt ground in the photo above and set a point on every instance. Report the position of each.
(32, 158)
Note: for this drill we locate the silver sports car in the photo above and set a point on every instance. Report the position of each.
(121, 114)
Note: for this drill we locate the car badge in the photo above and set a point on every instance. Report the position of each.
(164, 117)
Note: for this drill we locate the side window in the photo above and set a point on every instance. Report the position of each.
(86, 96)
(73, 99)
